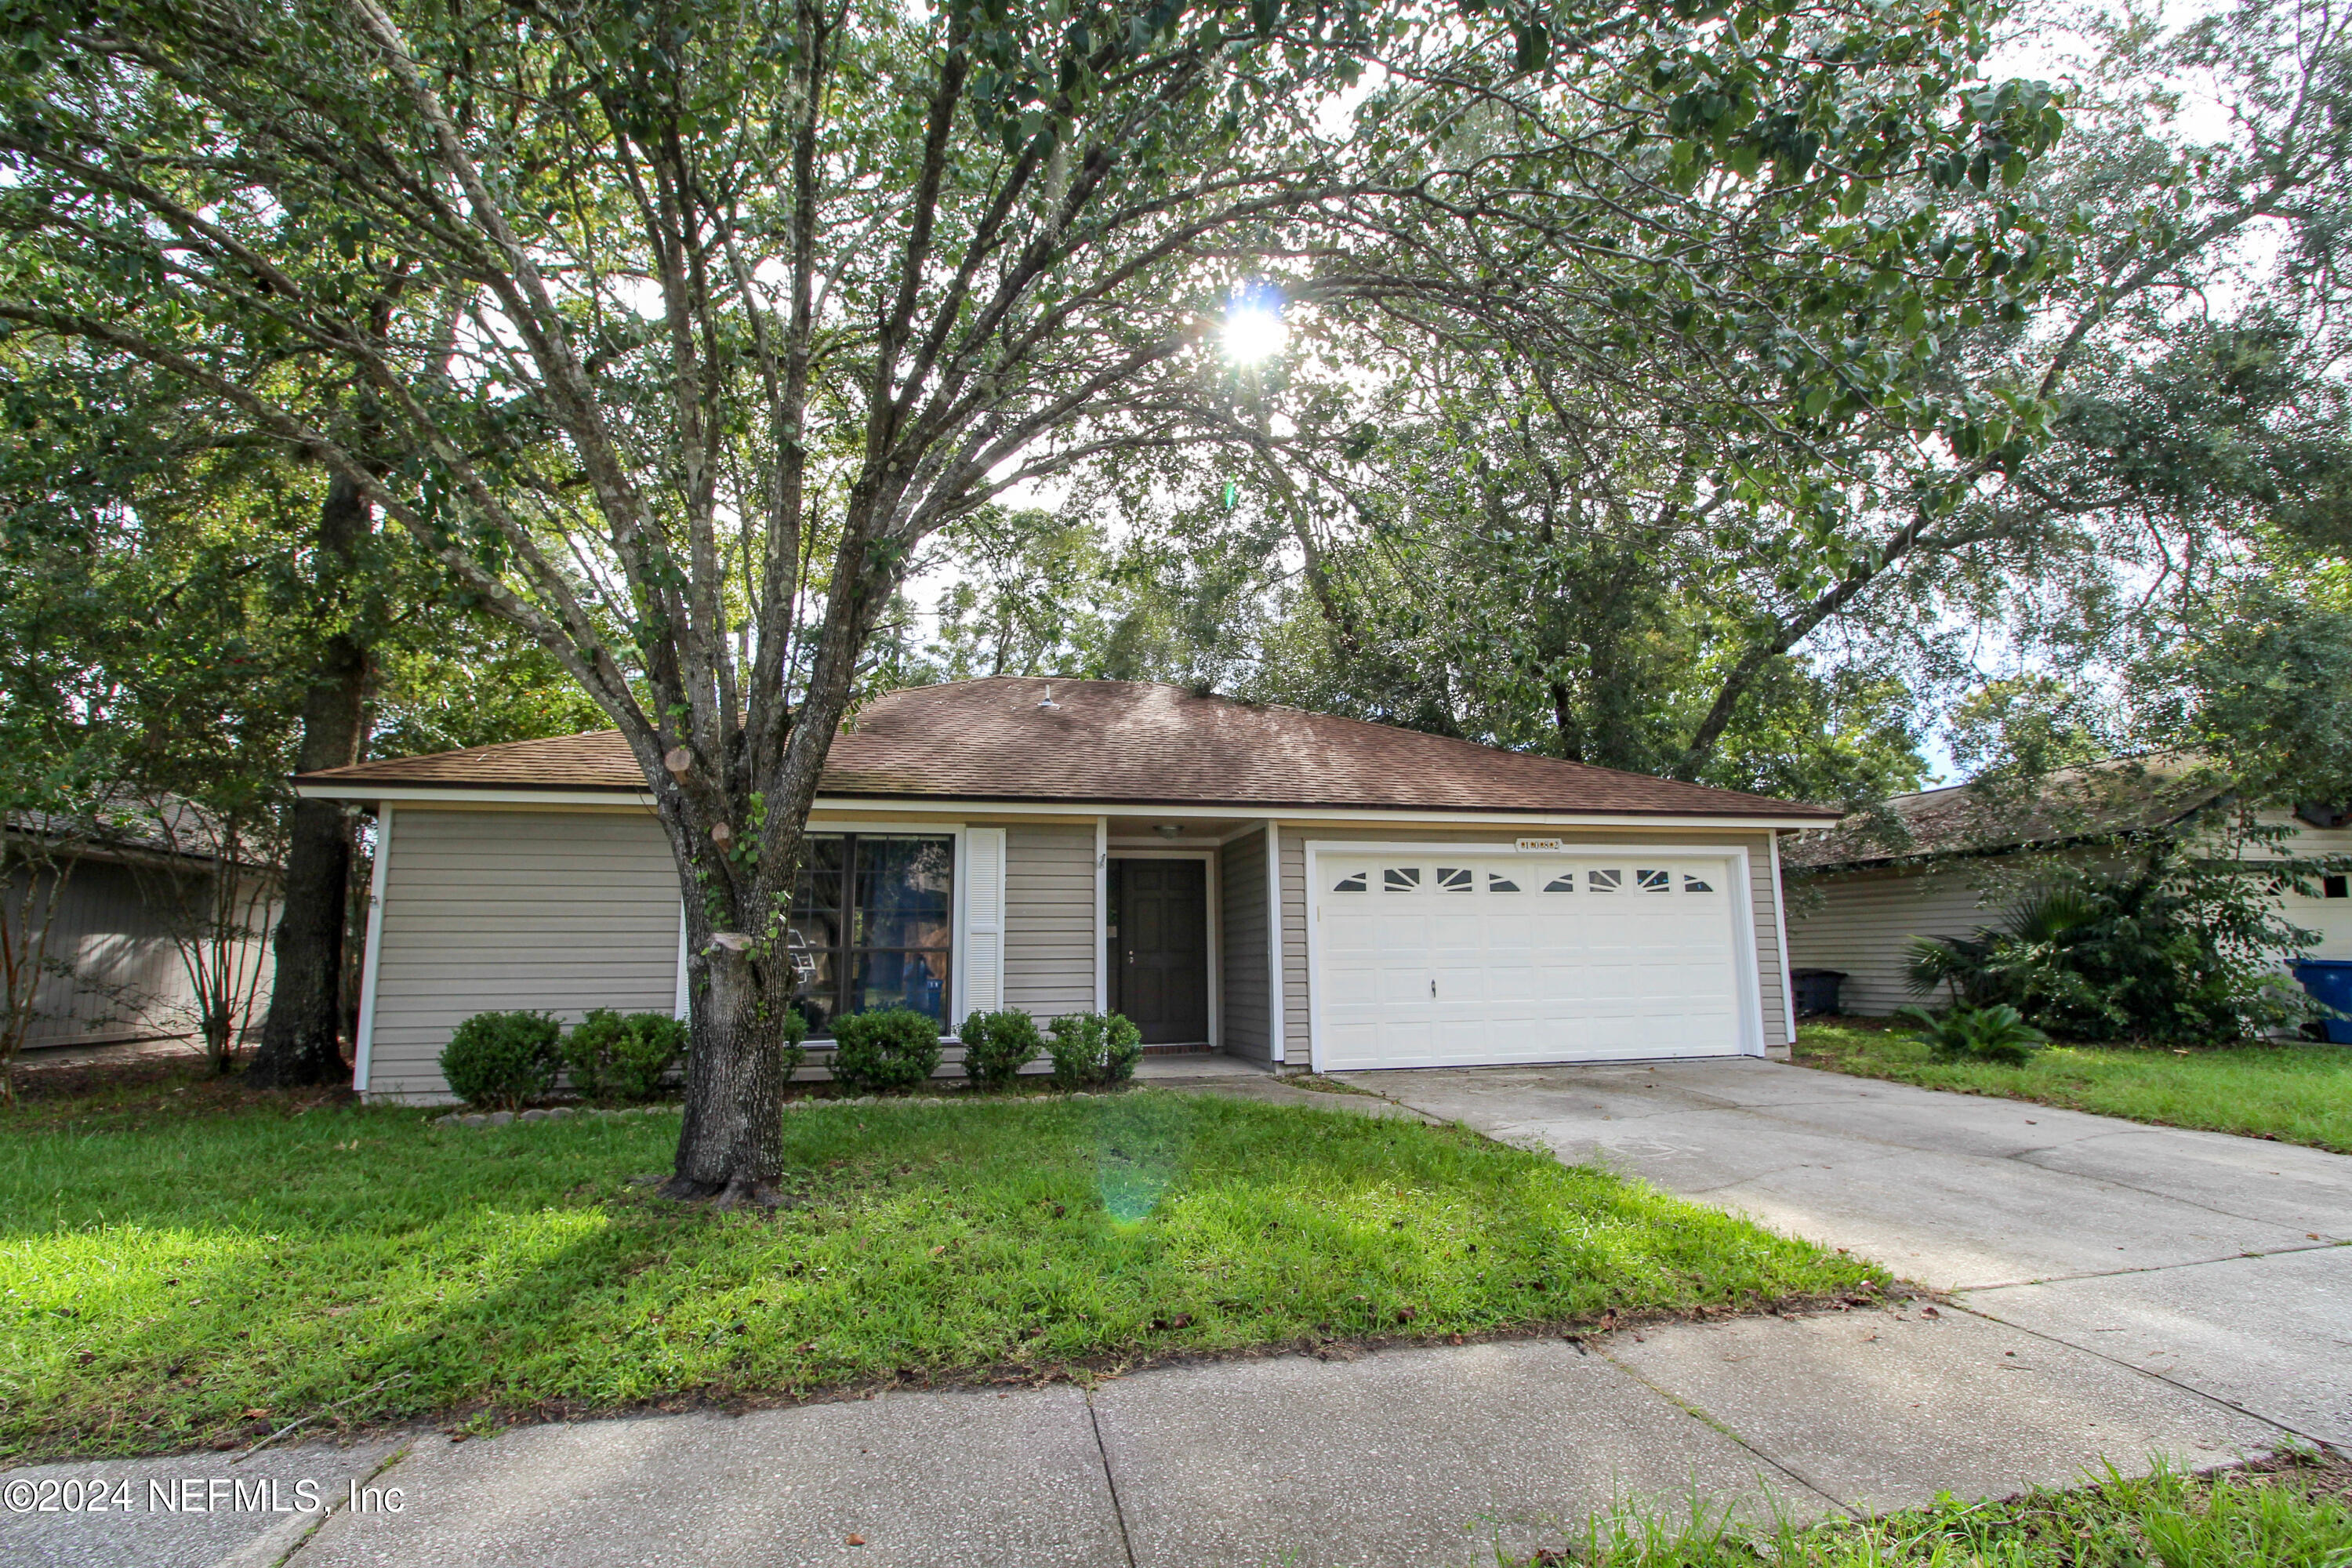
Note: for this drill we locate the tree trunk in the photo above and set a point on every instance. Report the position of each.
(731, 1147)
(301, 1039)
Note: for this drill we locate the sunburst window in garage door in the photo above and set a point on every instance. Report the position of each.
(1352, 883)
(1455, 880)
(1400, 878)
(1609, 881)
(1655, 881)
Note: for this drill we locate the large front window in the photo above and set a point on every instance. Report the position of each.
(873, 915)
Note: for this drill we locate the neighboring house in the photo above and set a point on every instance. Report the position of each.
(1944, 862)
(114, 969)
(1283, 886)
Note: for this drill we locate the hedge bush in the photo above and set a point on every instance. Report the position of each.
(616, 1057)
(497, 1061)
(1093, 1048)
(997, 1046)
(894, 1049)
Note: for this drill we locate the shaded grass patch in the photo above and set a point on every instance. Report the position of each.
(171, 1282)
(2292, 1511)
(2293, 1093)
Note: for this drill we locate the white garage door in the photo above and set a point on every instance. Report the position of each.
(1450, 959)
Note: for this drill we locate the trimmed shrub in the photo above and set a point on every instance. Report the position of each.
(613, 1057)
(1099, 1048)
(1996, 1034)
(497, 1061)
(895, 1049)
(788, 1041)
(996, 1046)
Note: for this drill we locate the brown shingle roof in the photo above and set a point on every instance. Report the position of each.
(1119, 741)
(2122, 795)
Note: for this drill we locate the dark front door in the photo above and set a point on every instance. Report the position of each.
(1160, 947)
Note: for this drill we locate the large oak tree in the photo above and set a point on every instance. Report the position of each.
(670, 329)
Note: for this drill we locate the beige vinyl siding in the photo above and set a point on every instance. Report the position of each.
(1049, 918)
(2329, 919)
(1768, 973)
(1242, 915)
(1294, 906)
(1859, 921)
(1297, 1039)
(115, 973)
(563, 910)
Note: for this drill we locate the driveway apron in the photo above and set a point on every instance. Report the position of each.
(2212, 1263)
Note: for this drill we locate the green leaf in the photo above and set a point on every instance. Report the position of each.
(1535, 45)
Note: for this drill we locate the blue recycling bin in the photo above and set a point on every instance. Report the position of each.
(2330, 980)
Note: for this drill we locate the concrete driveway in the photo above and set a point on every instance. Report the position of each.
(2216, 1263)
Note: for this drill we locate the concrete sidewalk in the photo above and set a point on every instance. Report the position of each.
(1438, 1456)
(1435, 1457)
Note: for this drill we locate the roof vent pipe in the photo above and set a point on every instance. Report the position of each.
(1047, 704)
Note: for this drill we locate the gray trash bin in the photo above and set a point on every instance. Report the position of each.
(1817, 990)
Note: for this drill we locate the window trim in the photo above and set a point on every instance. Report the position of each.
(957, 896)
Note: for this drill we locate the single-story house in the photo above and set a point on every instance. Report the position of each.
(1942, 863)
(112, 969)
(1287, 887)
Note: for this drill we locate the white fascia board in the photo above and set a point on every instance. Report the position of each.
(954, 805)
(368, 792)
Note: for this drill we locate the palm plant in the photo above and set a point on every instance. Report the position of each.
(1995, 1033)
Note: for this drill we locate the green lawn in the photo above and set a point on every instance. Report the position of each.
(2296, 1094)
(172, 1277)
(2290, 1513)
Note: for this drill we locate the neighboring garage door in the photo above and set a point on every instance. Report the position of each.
(1449, 959)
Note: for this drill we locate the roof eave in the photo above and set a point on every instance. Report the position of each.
(1991, 851)
(319, 787)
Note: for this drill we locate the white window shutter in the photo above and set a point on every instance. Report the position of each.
(984, 894)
